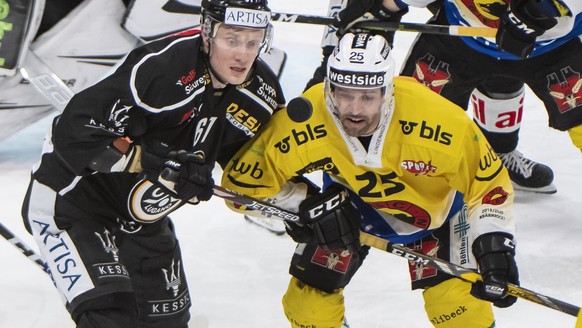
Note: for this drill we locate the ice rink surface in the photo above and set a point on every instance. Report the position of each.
(237, 272)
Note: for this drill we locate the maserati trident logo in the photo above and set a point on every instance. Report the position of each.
(108, 243)
(172, 276)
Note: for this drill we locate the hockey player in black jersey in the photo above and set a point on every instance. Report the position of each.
(97, 204)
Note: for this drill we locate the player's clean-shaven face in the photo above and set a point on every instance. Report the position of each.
(359, 110)
(233, 51)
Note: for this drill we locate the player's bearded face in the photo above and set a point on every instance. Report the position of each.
(359, 110)
(233, 51)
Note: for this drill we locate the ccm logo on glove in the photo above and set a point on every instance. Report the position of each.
(329, 205)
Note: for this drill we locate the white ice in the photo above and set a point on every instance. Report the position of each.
(237, 272)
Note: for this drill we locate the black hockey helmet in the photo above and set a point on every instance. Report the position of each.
(243, 13)
(217, 8)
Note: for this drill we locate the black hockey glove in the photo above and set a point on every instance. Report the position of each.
(183, 173)
(329, 219)
(495, 256)
(523, 22)
(195, 177)
(363, 10)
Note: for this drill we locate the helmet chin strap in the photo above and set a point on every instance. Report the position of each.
(383, 119)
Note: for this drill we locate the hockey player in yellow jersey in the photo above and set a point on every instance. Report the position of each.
(400, 162)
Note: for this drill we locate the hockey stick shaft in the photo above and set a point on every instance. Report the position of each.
(399, 250)
(465, 274)
(22, 247)
(455, 30)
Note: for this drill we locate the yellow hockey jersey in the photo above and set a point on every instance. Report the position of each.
(425, 152)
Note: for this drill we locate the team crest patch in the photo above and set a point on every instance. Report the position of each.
(336, 260)
(417, 270)
(431, 73)
(148, 202)
(566, 89)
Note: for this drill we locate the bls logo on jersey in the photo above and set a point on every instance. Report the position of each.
(427, 132)
(567, 90)
(301, 137)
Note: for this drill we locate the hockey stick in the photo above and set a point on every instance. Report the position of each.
(21, 245)
(468, 274)
(455, 30)
(452, 269)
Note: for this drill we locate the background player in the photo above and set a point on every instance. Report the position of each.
(537, 44)
(489, 76)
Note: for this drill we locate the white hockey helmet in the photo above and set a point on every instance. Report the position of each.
(361, 61)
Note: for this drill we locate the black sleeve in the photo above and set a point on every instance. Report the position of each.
(155, 91)
(93, 119)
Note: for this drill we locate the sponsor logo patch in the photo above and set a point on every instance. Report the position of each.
(356, 79)
(189, 82)
(241, 119)
(324, 164)
(411, 213)
(251, 170)
(496, 196)
(419, 167)
(435, 133)
(489, 165)
(299, 137)
(246, 17)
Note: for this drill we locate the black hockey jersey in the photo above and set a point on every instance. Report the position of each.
(161, 92)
